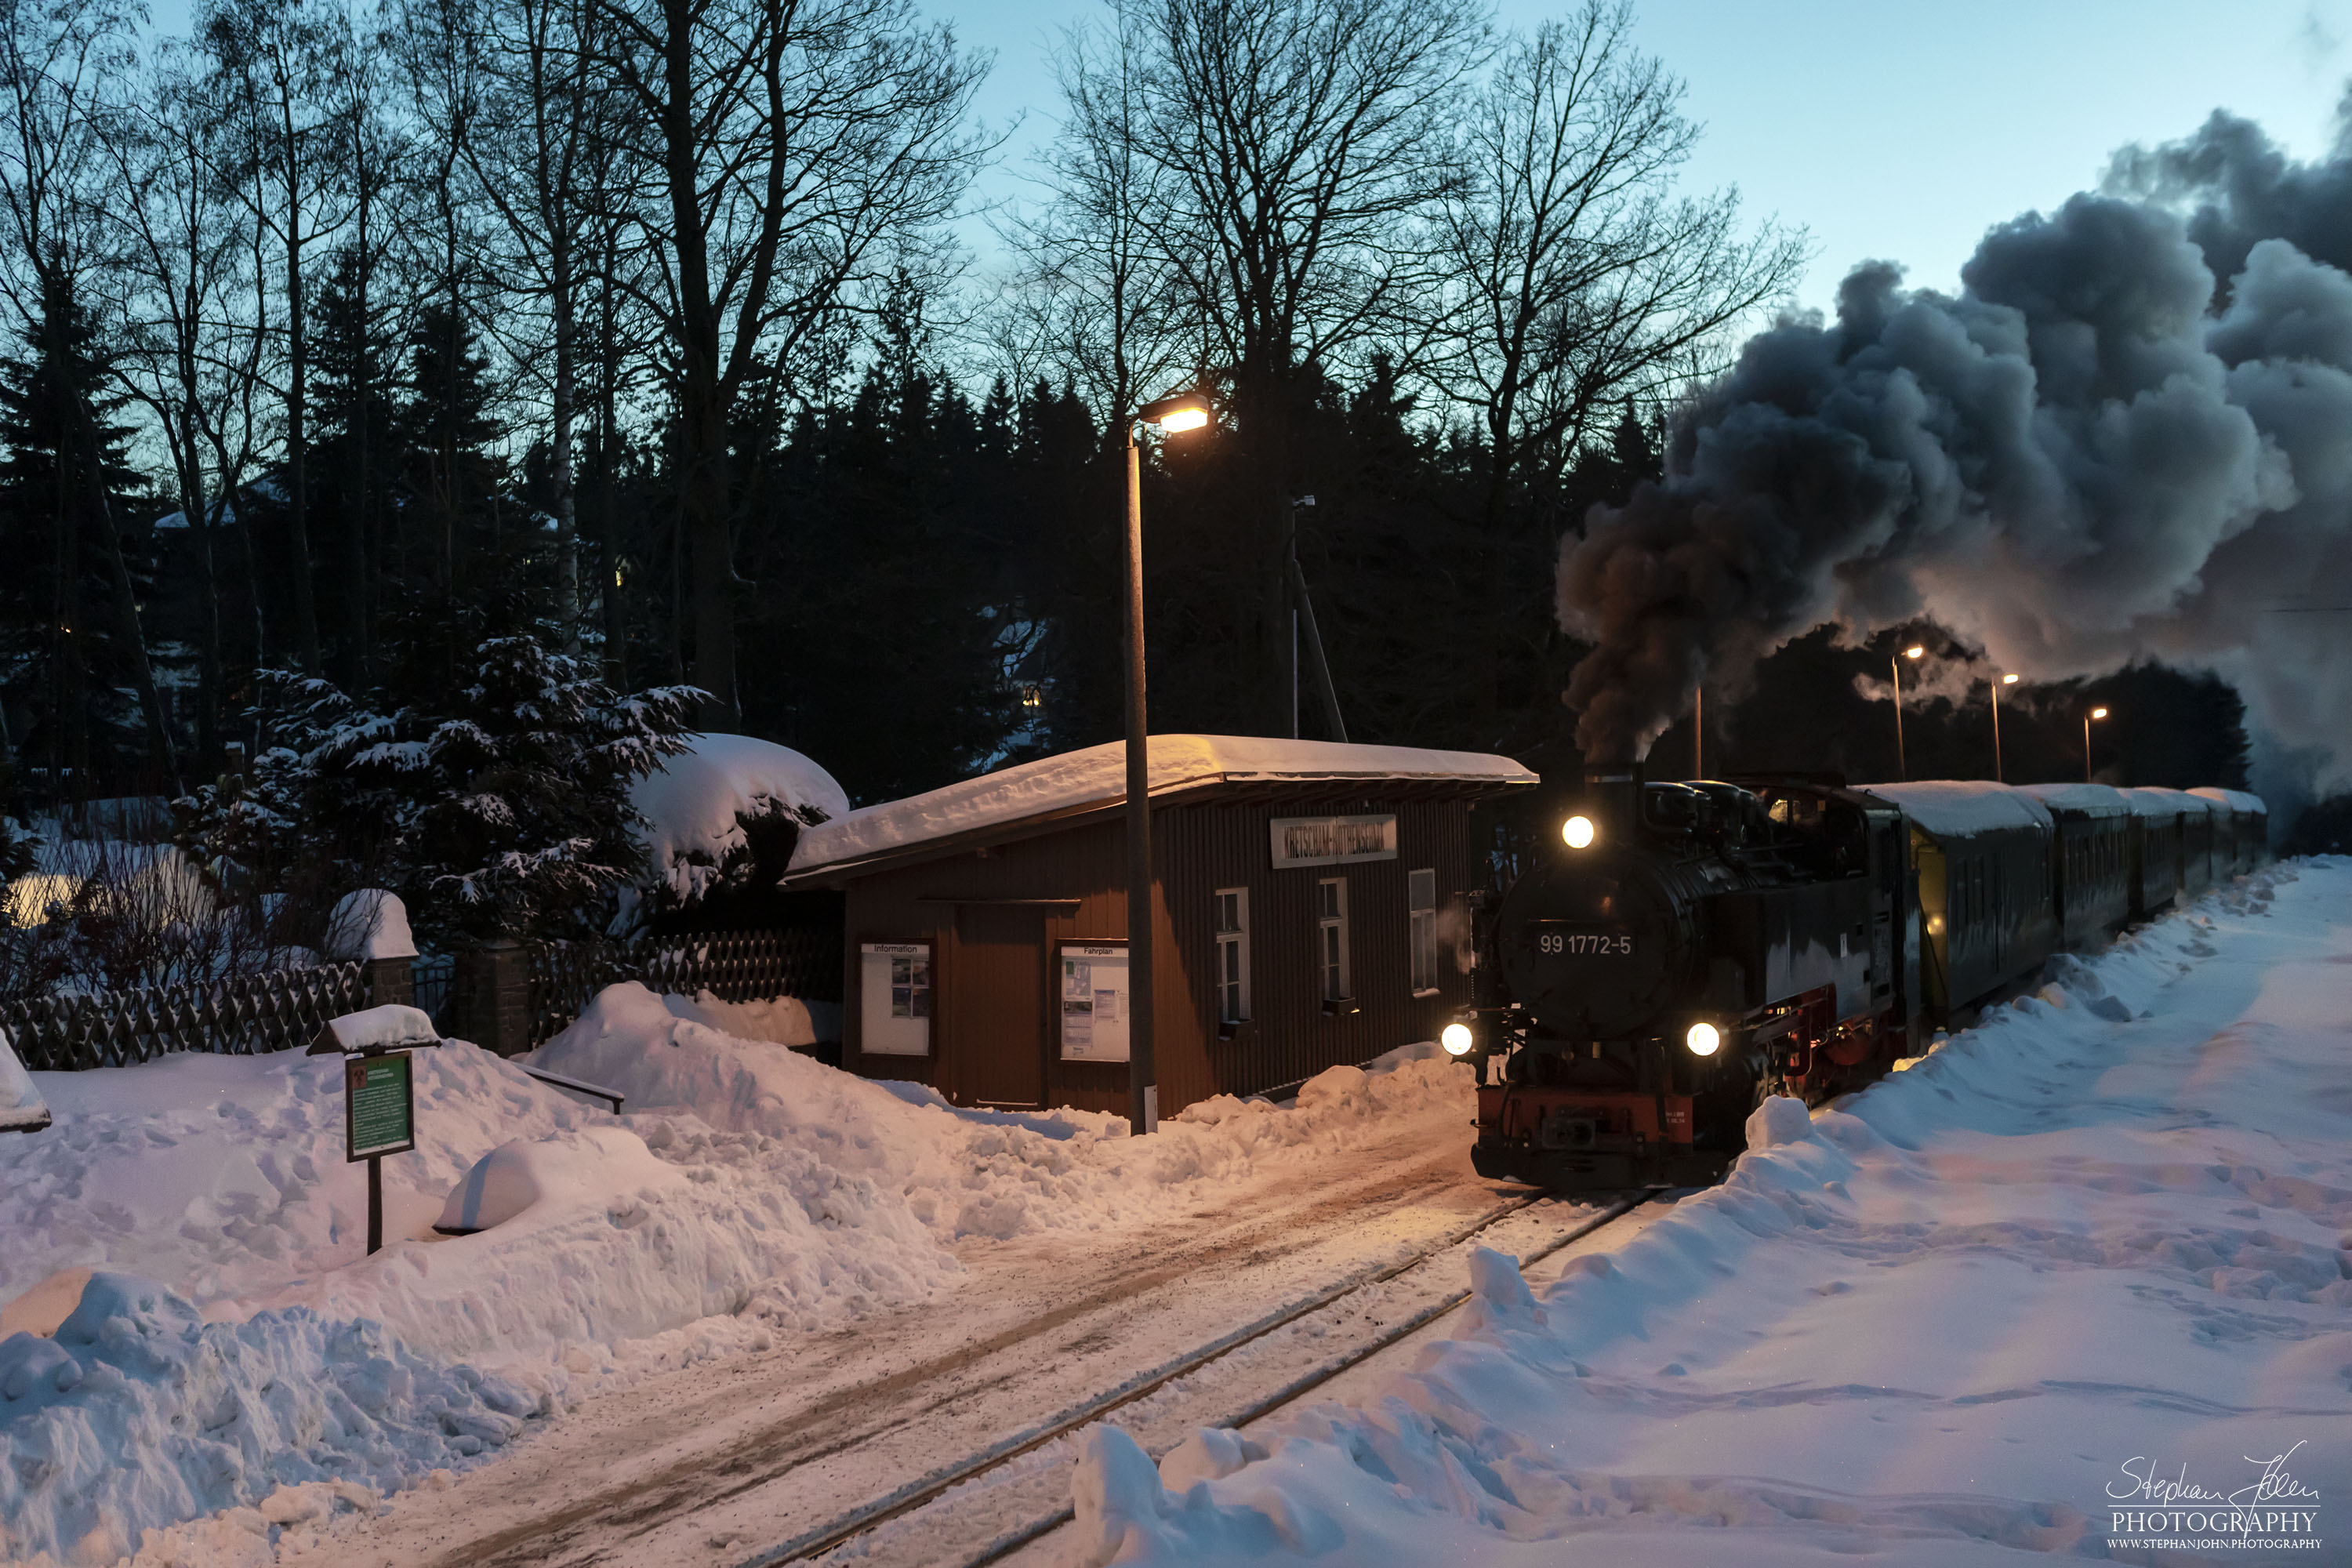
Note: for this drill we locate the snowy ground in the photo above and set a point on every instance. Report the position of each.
(2050, 1291)
(238, 1361)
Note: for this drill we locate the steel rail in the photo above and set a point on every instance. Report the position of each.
(815, 1543)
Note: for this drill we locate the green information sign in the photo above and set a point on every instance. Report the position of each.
(379, 1106)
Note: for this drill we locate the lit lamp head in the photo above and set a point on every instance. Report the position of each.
(2098, 712)
(1914, 651)
(1184, 411)
(2009, 680)
(1456, 1038)
(1703, 1039)
(1577, 831)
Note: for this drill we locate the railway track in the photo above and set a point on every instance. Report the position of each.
(1035, 1494)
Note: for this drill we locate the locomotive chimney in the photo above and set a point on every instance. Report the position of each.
(1612, 798)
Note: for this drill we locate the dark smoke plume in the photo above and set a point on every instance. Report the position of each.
(2130, 434)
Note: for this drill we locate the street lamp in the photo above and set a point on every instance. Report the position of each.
(1184, 411)
(2093, 713)
(1998, 776)
(1902, 766)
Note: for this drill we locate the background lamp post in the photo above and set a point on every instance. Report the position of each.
(2005, 681)
(2093, 713)
(1902, 764)
(1185, 411)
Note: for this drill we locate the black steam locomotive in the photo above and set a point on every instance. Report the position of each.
(1682, 950)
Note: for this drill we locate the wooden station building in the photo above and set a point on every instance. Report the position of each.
(1309, 909)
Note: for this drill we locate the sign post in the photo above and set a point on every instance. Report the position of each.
(379, 1119)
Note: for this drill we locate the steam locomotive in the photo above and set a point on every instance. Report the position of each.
(1679, 950)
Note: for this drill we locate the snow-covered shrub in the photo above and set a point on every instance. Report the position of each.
(719, 822)
(503, 811)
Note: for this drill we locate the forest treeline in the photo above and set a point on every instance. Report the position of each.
(343, 339)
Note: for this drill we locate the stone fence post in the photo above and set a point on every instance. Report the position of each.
(390, 980)
(493, 985)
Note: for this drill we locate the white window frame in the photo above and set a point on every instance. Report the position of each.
(1233, 983)
(1331, 941)
(1421, 930)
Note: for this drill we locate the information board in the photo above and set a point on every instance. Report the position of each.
(1091, 993)
(379, 1106)
(894, 998)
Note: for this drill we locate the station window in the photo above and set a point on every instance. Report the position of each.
(1422, 929)
(1232, 956)
(1331, 937)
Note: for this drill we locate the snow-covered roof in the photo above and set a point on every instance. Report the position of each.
(692, 803)
(2085, 799)
(1947, 807)
(2146, 800)
(2235, 799)
(1096, 777)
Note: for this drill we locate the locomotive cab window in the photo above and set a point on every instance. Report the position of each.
(1331, 937)
(1232, 956)
(1421, 933)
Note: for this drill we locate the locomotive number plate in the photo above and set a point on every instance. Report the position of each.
(1579, 943)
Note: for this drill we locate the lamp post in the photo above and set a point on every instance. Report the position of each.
(1998, 777)
(1902, 764)
(1185, 411)
(2093, 713)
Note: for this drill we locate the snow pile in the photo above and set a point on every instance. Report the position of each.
(22, 1108)
(696, 804)
(1096, 776)
(382, 1028)
(369, 924)
(138, 1412)
(967, 1173)
(1968, 1315)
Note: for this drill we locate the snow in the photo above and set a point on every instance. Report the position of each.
(22, 1110)
(369, 924)
(693, 802)
(2087, 799)
(2236, 800)
(138, 1411)
(1947, 807)
(382, 1028)
(2147, 801)
(756, 1192)
(1958, 1319)
(1096, 776)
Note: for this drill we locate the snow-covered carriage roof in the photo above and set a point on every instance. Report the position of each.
(2086, 799)
(2235, 799)
(2146, 800)
(1954, 807)
(1096, 778)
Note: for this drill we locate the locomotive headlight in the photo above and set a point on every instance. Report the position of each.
(1456, 1039)
(1703, 1039)
(1578, 831)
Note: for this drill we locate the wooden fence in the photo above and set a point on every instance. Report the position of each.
(509, 998)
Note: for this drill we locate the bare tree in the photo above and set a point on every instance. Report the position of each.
(1583, 285)
(193, 310)
(56, 59)
(786, 154)
(282, 56)
(1304, 141)
(1586, 279)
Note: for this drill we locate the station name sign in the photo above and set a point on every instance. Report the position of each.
(1333, 840)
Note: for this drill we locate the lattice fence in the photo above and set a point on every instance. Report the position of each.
(241, 1015)
(734, 966)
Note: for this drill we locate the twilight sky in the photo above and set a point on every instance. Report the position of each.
(1889, 128)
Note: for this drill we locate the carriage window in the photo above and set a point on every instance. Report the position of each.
(1232, 956)
(1331, 937)
(1420, 933)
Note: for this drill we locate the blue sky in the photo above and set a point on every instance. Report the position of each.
(1896, 130)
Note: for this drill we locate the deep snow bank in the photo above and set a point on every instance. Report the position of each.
(138, 1412)
(1936, 1325)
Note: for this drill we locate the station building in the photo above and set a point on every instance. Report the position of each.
(1309, 908)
